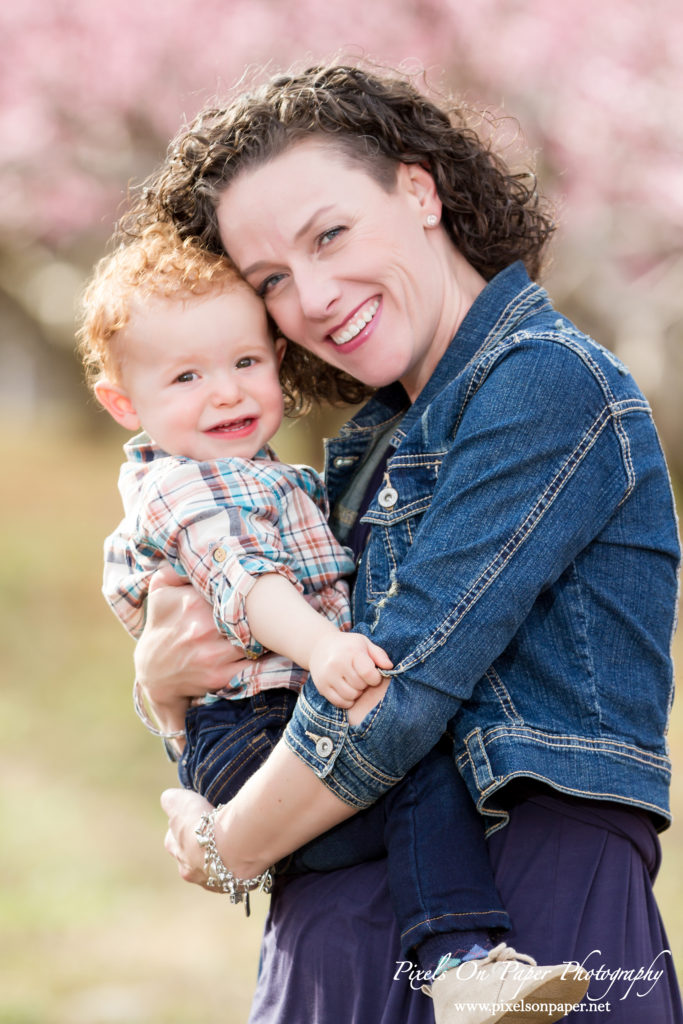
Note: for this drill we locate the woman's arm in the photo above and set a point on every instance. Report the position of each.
(525, 487)
(280, 808)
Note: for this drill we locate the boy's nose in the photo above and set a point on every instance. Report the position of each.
(225, 391)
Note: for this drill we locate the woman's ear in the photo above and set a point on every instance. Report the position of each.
(280, 349)
(420, 185)
(117, 403)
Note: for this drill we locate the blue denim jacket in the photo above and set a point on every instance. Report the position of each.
(521, 570)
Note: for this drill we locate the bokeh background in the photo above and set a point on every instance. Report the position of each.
(95, 928)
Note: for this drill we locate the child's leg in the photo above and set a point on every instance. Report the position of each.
(227, 740)
(440, 878)
(445, 900)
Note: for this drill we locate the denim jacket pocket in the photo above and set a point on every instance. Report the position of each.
(395, 515)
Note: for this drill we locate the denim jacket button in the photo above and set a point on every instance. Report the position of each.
(387, 497)
(324, 746)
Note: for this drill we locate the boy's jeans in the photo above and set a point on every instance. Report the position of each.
(440, 877)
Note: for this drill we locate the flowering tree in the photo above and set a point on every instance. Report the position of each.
(90, 93)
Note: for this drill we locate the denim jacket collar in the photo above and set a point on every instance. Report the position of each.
(388, 416)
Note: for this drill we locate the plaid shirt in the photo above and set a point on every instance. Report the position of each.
(220, 525)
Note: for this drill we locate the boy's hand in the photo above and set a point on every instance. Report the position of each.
(344, 665)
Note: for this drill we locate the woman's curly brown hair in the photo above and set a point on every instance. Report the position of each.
(493, 215)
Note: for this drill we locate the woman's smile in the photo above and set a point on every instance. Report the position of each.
(358, 325)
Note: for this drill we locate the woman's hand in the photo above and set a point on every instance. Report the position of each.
(184, 809)
(181, 654)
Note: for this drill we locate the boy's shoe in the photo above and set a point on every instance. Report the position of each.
(506, 986)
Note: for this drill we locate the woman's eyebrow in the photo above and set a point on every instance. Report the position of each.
(303, 230)
(311, 220)
(259, 265)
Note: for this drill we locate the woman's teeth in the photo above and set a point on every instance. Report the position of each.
(355, 326)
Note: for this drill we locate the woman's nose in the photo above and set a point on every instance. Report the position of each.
(318, 292)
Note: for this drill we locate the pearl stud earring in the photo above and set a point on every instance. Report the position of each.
(432, 220)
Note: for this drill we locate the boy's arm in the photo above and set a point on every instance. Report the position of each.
(232, 551)
(342, 665)
(217, 534)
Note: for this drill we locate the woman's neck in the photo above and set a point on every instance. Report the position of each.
(461, 286)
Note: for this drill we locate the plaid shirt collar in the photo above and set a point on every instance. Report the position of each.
(141, 449)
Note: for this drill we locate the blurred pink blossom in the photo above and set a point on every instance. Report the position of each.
(90, 93)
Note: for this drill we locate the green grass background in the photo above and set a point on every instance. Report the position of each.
(95, 927)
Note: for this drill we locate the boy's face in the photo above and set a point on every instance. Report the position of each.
(201, 374)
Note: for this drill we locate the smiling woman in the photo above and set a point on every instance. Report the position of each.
(508, 504)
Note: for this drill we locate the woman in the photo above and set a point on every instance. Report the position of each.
(519, 549)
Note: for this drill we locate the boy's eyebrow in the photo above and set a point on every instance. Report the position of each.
(304, 229)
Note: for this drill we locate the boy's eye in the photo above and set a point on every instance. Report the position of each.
(186, 377)
(244, 362)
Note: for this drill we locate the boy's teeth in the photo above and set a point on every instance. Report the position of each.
(357, 324)
(231, 424)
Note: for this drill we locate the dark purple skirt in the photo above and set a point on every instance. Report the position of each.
(575, 878)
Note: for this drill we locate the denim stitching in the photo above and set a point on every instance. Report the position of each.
(504, 698)
(385, 518)
(496, 566)
(569, 742)
(446, 917)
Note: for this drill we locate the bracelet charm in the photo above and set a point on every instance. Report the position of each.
(221, 877)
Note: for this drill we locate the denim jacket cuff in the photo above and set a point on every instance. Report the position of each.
(321, 736)
(317, 730)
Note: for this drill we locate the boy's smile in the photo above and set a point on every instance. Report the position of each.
(234, 428)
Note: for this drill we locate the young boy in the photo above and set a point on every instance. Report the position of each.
(200, 371)
(178, 344)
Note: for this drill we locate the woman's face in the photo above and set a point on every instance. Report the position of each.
(350, 271)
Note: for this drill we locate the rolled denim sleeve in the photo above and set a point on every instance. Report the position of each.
(537, 463)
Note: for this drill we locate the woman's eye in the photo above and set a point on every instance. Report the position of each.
(185, 378)
(329, 236)
(268, 285)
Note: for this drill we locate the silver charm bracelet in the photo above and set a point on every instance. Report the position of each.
(221, 877)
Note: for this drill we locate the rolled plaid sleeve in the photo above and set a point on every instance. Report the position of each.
(125, 581)
(222, 531)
